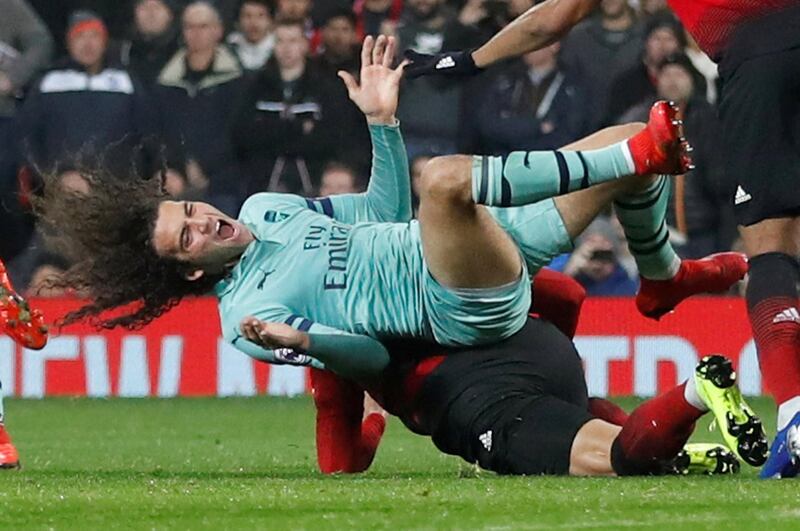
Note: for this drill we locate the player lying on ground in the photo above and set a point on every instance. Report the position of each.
(540, 231)
(521, 407)
(330, 277)
(757, 45)
(26, 327)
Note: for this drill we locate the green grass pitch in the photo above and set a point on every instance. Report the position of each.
(250, 464)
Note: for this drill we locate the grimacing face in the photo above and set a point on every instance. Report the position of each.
(198, 234)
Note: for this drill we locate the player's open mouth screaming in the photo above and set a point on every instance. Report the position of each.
(226, 230)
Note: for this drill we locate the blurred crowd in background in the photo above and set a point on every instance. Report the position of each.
(228, 98)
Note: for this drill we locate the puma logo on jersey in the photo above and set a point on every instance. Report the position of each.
(445, 62)
(486, 440)
(264, 278)
(741, 196)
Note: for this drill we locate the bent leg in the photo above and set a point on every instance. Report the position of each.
(641, 207)
(651, 436)
(546, 229)
(464, 247)
(580, 208)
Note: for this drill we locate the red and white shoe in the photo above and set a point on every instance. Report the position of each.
(17, 320)
(660, 148)
(9, 458)
(715, 273)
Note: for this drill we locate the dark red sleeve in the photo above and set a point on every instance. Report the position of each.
(344, 442)
(558, 298)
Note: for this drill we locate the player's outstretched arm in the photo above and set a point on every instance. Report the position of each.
(538, 27)
(388, 196)
(353, 356)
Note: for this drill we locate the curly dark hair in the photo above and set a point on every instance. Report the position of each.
(106, 235)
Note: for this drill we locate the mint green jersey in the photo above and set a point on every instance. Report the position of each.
(349, 270)
(312, 267)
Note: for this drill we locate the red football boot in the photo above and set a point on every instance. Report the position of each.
(17, 320)
(660, 148)
(715, 273)
(9, 458)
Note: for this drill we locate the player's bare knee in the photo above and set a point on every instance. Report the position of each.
(447, 179)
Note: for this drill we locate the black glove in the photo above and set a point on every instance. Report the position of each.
(447, 64)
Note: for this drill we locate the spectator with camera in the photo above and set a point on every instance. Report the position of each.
(595, 262)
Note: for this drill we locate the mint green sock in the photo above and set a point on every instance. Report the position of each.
(643, 217)
(525, 177)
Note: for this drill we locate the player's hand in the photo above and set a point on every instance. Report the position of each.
(274, 335)
(377, 94)
(445, 64)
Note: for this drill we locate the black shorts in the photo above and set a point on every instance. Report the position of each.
(760, 113)
(514, 407)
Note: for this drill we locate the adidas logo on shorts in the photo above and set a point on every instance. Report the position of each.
(790, 314)
(741, 196)
(486, 440)
(445, 62)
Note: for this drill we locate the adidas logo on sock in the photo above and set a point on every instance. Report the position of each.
(741, 196)
(789, 314)
(486, 440)
(445, 62)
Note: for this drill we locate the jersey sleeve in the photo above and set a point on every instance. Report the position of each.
(353, 356)
(388, 195)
